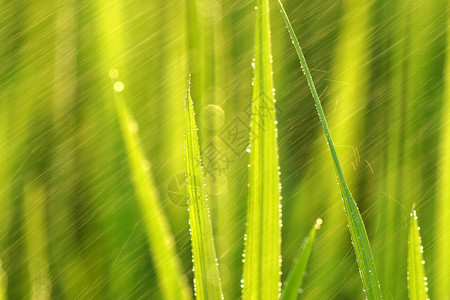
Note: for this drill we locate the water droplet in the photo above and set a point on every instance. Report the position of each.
(119, 86)
(133, 126)
(145, 165)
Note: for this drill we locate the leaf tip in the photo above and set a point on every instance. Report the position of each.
(189, 83)
(413, 213)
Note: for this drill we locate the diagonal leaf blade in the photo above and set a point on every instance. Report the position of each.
(261, 278)
(207, 280)
(358, 232)
(295, 278)
(417, 282)
(172, 281)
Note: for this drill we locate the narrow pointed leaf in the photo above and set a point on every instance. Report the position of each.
(358, 232)
(207, 280)
(294, 280)
(262, 248)
(172, 281)
(417, 282)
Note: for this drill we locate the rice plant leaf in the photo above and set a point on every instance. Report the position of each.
(172, 281)
(294, 280)
(206, 272)
(417, 282)
(358, 232)
(261, 278)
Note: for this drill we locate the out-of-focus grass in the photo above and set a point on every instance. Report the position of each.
(262, 260)
(58, 127)
(442, 232)
(36, 240)
(2, 284)
(346, 102)
(417, 281)
(391, 234)
(171, 279)
(358, 232)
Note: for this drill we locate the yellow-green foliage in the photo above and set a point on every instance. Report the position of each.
(207, 281)
(417, 281)
(296, 274)
(161, 242)
(263, 237)
(358, 232)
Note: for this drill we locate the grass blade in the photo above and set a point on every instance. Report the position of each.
(295, 278)
(263, 239)
(171, 279)
(358, 232)
(348, 83)
(417, 282)
(207, 280)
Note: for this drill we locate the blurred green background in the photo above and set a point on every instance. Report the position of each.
(70, 225)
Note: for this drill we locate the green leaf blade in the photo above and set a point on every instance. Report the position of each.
(358, 232)
(172, 281)
(206, 272)
(295, 278)
(261, 277)
(417, 282)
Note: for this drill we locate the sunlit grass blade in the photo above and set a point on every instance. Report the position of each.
(358, 232)
(295, 278)
(417, 282)
(262, 246)
(172, 282)
(207, 280)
